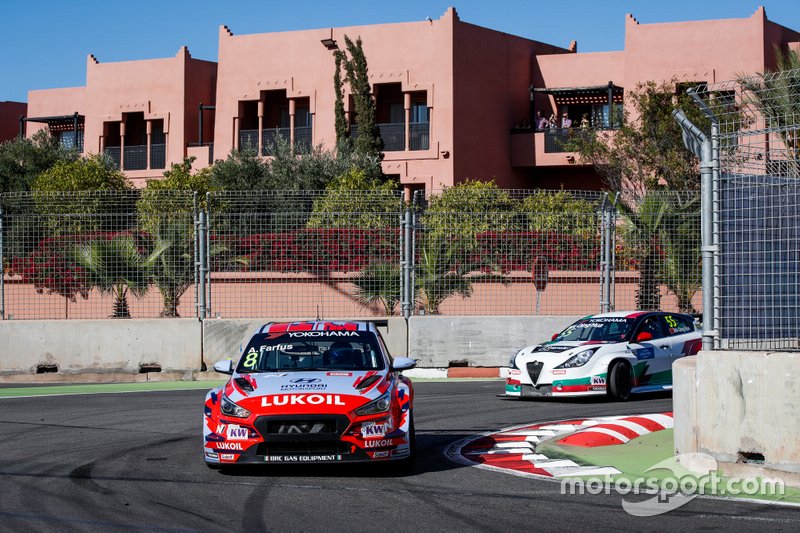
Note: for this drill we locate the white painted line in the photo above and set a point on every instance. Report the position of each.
(666, 421)
(554, 463)
(606, 431)
(528, 433)
(535, 440)
(584, 471)
(633, 426)
(560, 427)
(509, 450)
(534, 457)
(515, 444)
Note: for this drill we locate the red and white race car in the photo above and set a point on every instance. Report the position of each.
(303, 392)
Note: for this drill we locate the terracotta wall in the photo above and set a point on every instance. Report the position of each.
(9, 119)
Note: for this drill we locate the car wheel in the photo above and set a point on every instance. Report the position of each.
(620, 380)
(213, 466)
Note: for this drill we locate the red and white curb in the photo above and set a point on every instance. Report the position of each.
(618, 430)
(513, 450)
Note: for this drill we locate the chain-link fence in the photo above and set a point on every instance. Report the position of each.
(346, 254)
(755, 222)
(115, 254)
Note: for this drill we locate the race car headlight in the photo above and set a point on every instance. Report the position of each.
(513, 362)
(229, 408)
(579, 359)
(379, 405)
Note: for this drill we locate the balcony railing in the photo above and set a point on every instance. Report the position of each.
(248, 140)
(420, 136)
(113, 152)
(270, 139)
(135, 157)
(302, 139)
(393, 135)
(158, 155)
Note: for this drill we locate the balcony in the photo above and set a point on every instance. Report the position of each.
(248, 140)
(302, 140)
(270, 139)
(393, 135)
(158, 156)
(135, 157)
(113, 152)
(420, 136)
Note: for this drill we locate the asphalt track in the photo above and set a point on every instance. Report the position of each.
(133, 462)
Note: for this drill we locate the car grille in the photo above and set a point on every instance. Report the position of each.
(304, 448)
(534, 369)
(302, 427)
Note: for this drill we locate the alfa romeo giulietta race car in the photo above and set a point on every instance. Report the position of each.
(303, 392)
(612, 353)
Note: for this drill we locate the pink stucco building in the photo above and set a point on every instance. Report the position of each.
(454, 100)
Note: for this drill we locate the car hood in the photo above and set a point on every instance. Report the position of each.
(322, 391)
(558, 350)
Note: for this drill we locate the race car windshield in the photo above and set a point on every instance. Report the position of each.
(312, 350)
(609, 329)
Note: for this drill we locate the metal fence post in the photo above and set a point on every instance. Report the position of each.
(407, 262)
(715, 231)
(2, 271)
(612, 217)
(201, 289)
(207, 264)
(697, 141)
(196, 221)
(605, 257)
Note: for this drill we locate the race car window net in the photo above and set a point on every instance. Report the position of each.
(599, 329)
(310, 351)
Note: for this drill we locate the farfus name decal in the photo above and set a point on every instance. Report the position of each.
(301, 399)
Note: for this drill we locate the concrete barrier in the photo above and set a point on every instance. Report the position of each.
(224, 338)
(745, 409)
(684, 404)
(436, 341)
(99, 346)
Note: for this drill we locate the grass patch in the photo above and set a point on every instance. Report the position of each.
(639, 455)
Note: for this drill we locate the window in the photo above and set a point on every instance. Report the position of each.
(678, 325)
(651, 325)
(396, 114)
(420, 113)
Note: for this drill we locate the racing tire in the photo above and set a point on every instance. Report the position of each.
(620, 380)
(213, 466)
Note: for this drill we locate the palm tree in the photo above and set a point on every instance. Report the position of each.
(173, 271)
(776, 96)
(664, 232)
(379, 283)
(116, 266)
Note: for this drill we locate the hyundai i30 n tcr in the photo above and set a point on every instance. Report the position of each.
(311, 392)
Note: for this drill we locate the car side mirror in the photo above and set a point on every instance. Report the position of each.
(554, 337)
(644, 336)
(403, 363)
(224, 367)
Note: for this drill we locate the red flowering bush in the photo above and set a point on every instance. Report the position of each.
(306, 250)
(517, 250)
(51, 271)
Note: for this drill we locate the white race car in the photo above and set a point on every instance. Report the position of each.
(612, 353)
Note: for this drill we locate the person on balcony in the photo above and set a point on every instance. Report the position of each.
(585, 123)
(541, 120)
(552, 122)
(566, 122)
